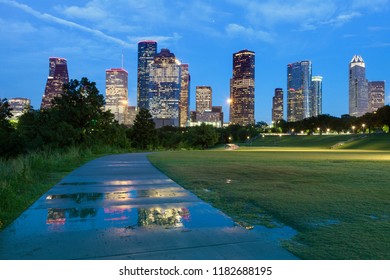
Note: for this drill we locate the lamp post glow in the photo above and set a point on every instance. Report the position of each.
(353, 129)
(364, 125)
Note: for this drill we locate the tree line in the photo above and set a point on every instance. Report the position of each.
(378, 121)
(78, 118)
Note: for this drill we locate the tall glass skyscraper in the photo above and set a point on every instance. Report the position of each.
(117, 93)
(277, 105)
(146, 52)
(184, 95)
(164, 89)
(376, 93)
(358, 87)
(299, 76)
(58, 76)
(242, 88)
(316, 96)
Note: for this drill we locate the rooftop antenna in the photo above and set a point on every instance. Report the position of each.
(122, 59)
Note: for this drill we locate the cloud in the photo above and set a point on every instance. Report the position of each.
(60, 21)
(378, 28)
(157, 38)
(372, 5)
(342, 18)
(270, 13)
(307, 14)
(378, 45)
(91, 11)
(236, 30)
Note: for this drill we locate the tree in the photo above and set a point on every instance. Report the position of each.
(203, 136)
(383, 115)
(9, 141)
(143, 132)
(77, 117)
(81, 107)
(5, 112)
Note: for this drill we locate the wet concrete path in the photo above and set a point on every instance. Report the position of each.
(121, 207)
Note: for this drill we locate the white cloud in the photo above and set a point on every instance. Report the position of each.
(307, 14)
(157, 38)
(236, 30)
(343, 18)
(54, 19)
(90, 11)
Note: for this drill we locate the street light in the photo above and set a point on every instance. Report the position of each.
(364, 125)
(353, 129)
(327, 130)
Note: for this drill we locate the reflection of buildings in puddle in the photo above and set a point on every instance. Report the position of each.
(78, 197)
(169, 217)
(59, 216)
(119, 195)
(118, 213)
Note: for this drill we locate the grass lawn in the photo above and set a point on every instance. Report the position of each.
(325, 141)
(337, 200)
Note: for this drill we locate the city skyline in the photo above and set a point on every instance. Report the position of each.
(93, 36)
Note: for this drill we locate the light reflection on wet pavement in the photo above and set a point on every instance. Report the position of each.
(114, 198)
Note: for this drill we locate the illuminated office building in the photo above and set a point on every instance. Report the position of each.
(117, 93)
(184, 95)
(242, 88)
(358, 87)
(19, 106)
(146, 52)
(277, 105)
(376, 94)
(203, 98)
(58, 76)
(299, 77)
(164, 89)
(316, 96)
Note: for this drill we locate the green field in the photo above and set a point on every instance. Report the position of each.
(325, 141)
(337, 200)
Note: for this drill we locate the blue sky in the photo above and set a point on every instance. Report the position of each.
(92, 35)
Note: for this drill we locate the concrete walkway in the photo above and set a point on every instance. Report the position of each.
(121, 207)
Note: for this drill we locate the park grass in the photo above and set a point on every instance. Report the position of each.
(325, 141)
(337, 200)
(26, 178)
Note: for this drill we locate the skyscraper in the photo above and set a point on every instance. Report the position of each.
(146, 52)
(376, 94)
(316, 96)
(242, 88)
(19, 106)
(358, 87)
(184, 95)
(299, 75)
(277, 105)
(203, 99)
(164, 89)
(117, 93)
(58, 76)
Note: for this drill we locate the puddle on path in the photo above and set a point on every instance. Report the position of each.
(156, 217)
(120, 195)
(138, 181)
